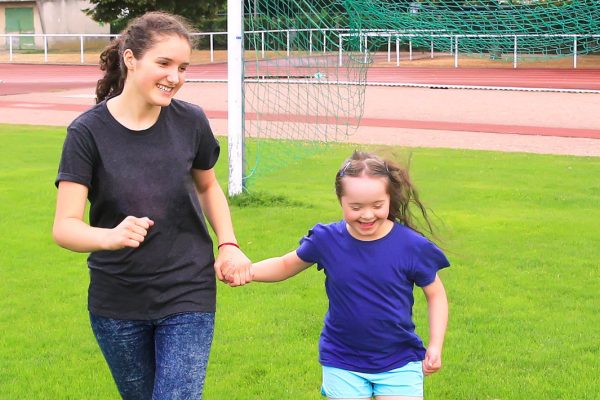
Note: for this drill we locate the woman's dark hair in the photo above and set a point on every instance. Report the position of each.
(403, 193)
(139, 35)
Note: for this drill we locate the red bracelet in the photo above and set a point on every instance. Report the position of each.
(228, 244)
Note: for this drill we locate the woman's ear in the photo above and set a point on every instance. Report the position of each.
(129, 59)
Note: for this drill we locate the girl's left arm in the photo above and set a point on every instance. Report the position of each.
(437, 305)
(231, 266)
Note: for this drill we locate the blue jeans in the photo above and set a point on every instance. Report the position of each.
(158, 359)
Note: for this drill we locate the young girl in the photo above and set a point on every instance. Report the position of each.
(145, 162)
(372, 259)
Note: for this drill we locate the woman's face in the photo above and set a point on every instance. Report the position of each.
(160, 72)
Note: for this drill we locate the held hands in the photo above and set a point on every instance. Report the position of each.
(232, 266)
(433, 361)
(131, 232)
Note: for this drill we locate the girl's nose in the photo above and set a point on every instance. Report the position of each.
(173, 77)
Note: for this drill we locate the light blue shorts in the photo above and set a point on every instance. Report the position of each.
(343, 384)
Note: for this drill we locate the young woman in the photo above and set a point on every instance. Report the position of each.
(145, 160)
(372, 259)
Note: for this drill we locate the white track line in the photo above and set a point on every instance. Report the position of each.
(400, 84)
(511, 88)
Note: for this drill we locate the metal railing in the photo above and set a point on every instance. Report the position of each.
(335, 37)
(454, 42)
(11, 38)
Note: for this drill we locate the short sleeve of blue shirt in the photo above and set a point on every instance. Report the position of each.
(428, 260)
(309, 250)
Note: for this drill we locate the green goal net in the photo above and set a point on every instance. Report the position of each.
(495, 28)
(299, 94)
(306, 61)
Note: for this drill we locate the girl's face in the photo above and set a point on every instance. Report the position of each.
(366, 206)
(160, 72)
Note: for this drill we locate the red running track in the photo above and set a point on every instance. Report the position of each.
(536, 78)
(27, 78)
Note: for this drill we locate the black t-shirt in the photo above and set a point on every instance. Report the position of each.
(146, 174)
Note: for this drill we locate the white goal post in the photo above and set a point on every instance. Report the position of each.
(235, 96)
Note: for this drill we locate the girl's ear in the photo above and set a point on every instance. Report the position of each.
(129, 59)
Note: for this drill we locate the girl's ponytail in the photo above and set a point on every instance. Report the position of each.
(404, 197)
(111, 84)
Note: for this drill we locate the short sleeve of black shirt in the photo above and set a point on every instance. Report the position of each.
(78, 157)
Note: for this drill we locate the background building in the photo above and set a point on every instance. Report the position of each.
(46, 17)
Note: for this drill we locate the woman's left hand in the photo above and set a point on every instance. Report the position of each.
(233, 267)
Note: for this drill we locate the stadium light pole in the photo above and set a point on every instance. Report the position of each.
(235, 97)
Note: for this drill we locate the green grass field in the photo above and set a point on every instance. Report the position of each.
(521, 232)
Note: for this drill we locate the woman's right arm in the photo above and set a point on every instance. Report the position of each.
(71, 232)
(278, 268)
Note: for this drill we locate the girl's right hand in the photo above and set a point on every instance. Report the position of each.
(131, 232)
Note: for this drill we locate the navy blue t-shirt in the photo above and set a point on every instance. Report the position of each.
(368, 326)
(146, 173)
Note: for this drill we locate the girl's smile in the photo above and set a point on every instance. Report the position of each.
(164, 88)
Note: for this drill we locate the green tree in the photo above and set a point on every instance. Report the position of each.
(119, 12)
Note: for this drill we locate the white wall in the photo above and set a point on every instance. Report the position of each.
(66, 16)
